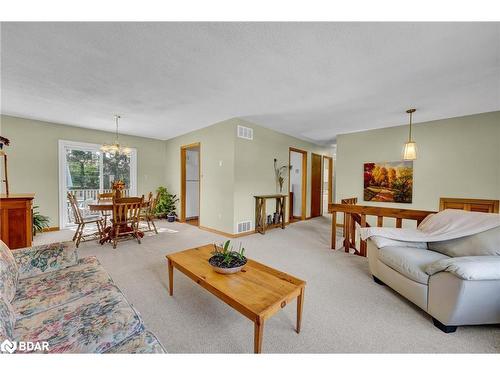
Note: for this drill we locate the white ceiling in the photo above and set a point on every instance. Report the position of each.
(311, 80)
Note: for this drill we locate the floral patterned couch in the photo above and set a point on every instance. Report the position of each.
(48, 295)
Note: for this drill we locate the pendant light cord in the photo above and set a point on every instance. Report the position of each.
(411, 115)
(116, 133)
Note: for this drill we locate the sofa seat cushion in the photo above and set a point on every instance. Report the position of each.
(410, 262)
(468, 268)
(91, 324)
(143, 343)
(42, 292)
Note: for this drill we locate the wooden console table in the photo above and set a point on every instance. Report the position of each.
(16, 218)
(260, 212)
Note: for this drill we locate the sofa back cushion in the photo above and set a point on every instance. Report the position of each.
(7, 320)
(9, 273)
(484, 243)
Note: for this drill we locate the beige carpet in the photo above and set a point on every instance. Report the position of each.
(344, 311)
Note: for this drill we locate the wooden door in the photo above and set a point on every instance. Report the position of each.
(316, 185)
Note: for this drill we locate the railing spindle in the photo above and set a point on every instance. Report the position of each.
(399, 222)
(380, 221)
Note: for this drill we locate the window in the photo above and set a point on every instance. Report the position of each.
(86, 171)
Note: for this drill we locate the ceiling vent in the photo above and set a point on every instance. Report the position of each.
(244, 226)
(245, 133)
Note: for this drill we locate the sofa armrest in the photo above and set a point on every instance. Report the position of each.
(36, 260)
(468, 268)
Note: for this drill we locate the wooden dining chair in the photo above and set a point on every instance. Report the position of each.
(82, 220)
(105, 197)
(147, 212)
(126, 214)
(152, 211)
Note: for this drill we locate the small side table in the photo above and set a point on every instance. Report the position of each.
(260, 212)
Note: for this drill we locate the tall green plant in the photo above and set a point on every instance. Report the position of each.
(39, 221)
(166, 202)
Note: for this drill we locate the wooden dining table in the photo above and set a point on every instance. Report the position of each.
(106, 206)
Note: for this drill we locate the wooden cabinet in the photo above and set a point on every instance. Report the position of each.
(16, 220)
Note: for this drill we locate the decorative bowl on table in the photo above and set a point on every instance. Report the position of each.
(227, 261)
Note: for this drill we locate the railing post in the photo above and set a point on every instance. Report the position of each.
(334, 230)
(347, 218)
(352, 231)
(362, 246)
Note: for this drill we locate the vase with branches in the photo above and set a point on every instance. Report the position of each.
(281, 173)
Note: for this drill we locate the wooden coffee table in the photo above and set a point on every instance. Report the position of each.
(257, 292)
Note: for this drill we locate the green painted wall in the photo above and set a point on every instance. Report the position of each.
(457, 157)
(33, 158)
(254, 170)
(216, 172)
(227, 190)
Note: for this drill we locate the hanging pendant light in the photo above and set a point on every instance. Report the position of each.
(116, 148)
(410, 148)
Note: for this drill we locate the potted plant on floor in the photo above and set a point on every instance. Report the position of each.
(39, 221)
(165, 207)
(225, 260)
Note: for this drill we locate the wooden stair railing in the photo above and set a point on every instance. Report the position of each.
(357, 214)
(350, 221)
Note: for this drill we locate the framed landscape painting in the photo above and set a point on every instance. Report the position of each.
(388, 182)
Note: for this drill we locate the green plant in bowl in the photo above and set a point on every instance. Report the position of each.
(226, 260)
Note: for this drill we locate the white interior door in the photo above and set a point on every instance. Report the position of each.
(192, 183)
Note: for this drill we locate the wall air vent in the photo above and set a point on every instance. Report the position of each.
(245, 133)
(244, 226)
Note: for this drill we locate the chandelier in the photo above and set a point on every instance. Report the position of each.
(116, 148)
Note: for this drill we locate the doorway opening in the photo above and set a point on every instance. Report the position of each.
(297, 184)
(316, 185)
(190, 184)
(327, 183)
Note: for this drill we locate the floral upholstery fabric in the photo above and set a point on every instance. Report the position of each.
(9, 273)
(91, 324)
(143, 343)
(7, 319)
(46, 294)
(39, 293)
(33, 261)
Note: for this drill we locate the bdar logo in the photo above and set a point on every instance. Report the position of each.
(8, 346)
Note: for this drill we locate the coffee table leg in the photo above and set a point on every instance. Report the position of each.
(170, 278)
(258, 333)
(300, 304)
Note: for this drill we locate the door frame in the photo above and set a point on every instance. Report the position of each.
(320, 185)
(83, 146)
(330, 180)
(183, 150)
(304, 180)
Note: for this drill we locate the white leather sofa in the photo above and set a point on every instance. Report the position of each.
(457, 281)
